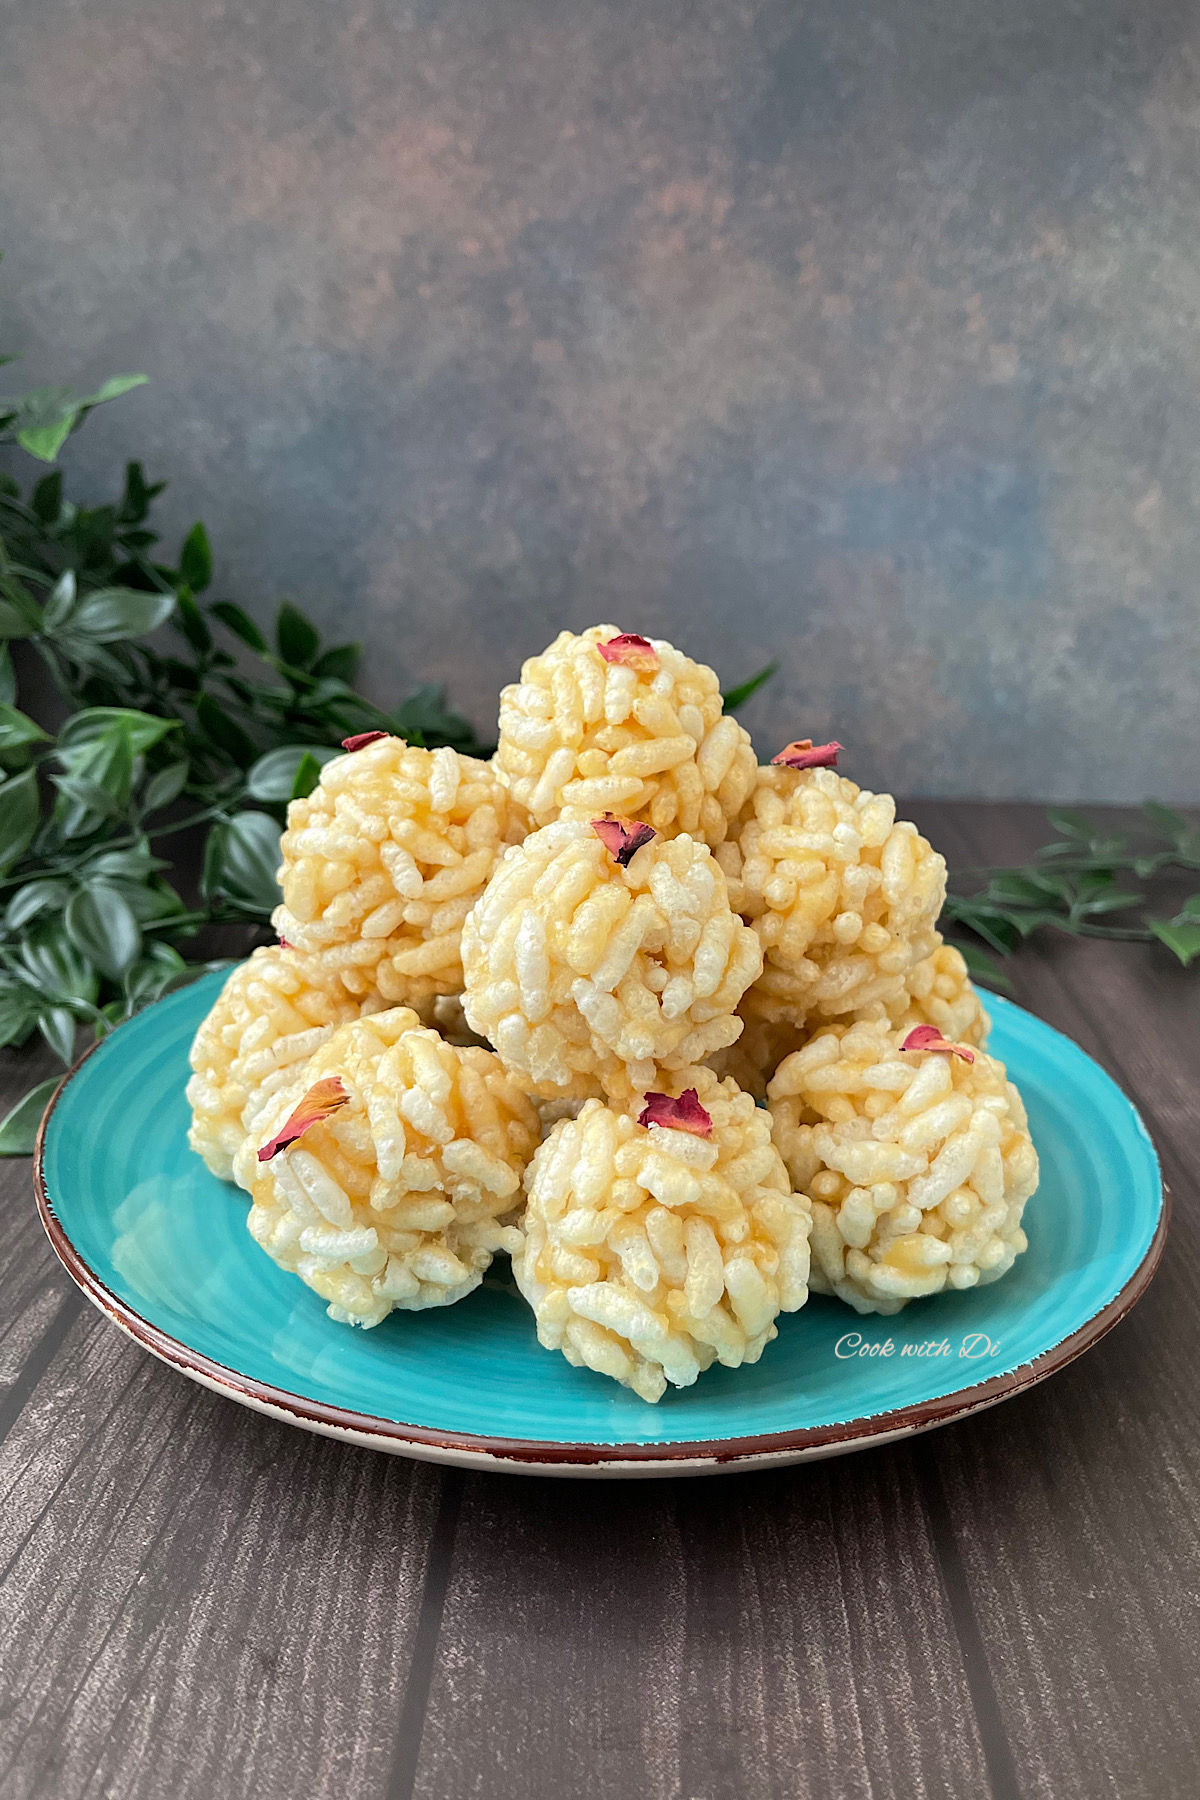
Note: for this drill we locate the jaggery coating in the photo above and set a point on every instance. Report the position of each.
(587, 977)
(272, 1014)
(918, 1164)
(400, 1199)
(649, 1253)
(384, 860)
(650, 742)
(844, 897)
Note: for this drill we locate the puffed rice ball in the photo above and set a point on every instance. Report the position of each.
(401, 1197)
(648, 1253)
(272, 1014)
(645, 737)
(843, 896)
(918, 1164)
(587, 976)
(384, 860)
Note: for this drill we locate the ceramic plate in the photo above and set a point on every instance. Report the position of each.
(161, 1246)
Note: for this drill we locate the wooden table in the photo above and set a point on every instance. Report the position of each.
(199, 1604)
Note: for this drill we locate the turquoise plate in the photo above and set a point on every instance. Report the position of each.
(161, 1246)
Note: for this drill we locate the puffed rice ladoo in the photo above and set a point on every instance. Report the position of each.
(918, 1163)
(401, 1196)
(649, 1252)
(844, 897)
(590, 973)
(384, 860)
(609, 721)
(273, 1013)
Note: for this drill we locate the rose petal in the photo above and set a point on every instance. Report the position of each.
(684, 1114)
(323, 1097)
(803, 754)
(622, 838)
(634, 651)
(361, 740)
(928, 1037)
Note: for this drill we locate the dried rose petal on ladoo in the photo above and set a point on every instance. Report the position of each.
(272, 1014)
(588, 973)
(844, 897)
(398, 1195)
(650, 1251)
(918, 1163)
(610, 721)
(385, 858)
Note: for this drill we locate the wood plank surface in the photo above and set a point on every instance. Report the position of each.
(200, 1604)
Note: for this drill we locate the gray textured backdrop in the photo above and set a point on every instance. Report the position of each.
(856, 333)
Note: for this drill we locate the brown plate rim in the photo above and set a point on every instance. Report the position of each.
(396, 1435)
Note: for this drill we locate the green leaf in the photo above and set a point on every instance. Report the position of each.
(195, 559)
(981, 967)
(424, 718)
(60, 602)
(8, 679)
(83, 805)
(18, 731)
(191, 621)
(135, 502)
(1189, 910)
(339, 664)
(102, 927)
(57, 1026)
(112, 389)
(1106, 903)
(296, 636)
(241, 625)
(18, 1131)
(165, 786)
(249, 857)
(133, 864)
(307, 776)
(738, 696)
(18, 1012)
(19, 813)
(95, 723)
(49, 961)
(46, 499)
(33, 898)
(1180, 937)
(225, 732)
(111, 615)
(1171, 823)
(274, 776)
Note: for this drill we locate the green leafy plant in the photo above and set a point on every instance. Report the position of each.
(1075, 885)
(183, 718)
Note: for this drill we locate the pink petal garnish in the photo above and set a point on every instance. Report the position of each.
(928, 1037)
(361, 740)
(323, 1097)
(803, 754)
(684, 1114)
(634, 651)
(622, 838)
